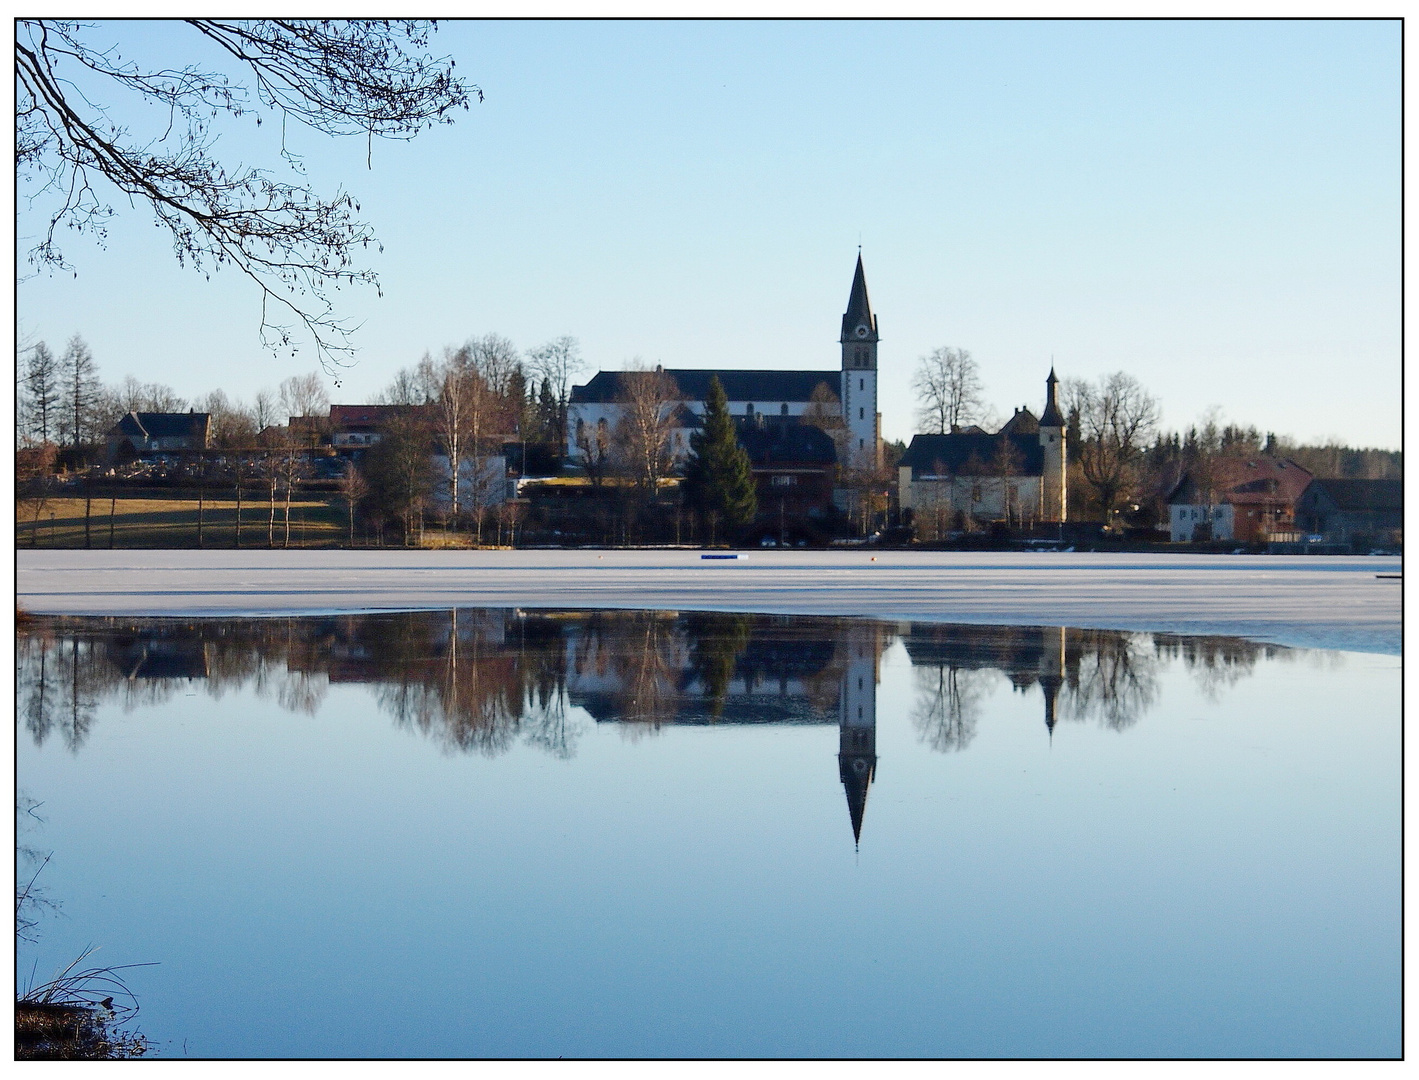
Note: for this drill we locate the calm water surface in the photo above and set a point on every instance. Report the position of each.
(509, 833)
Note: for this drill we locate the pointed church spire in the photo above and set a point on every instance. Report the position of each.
(1051, 417)
(856, 773)
(859, 309)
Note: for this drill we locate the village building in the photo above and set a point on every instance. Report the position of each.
(142, 433)
(1248, 499)
(1016, 476)
(794, 467)
(847, 395)
(1347, 511)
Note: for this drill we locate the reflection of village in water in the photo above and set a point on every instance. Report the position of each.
(483, 680)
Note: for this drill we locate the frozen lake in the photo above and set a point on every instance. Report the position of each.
(1321, 602)
(502, 832)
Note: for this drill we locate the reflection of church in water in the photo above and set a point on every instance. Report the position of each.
(808, 671)
(481, 680)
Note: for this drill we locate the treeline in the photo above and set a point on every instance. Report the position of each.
(63, 402)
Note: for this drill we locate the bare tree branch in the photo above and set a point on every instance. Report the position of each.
(336, 77)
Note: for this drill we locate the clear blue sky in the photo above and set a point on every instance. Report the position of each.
(1213, 207)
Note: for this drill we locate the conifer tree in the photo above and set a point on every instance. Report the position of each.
(718, 476)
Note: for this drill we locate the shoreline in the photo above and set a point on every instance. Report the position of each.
(1336, 602)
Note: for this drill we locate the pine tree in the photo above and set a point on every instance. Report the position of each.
(718, 476)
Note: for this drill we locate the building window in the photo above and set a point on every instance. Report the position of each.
(861, 383)
(861, 444)
(862, 414)
(785, 481)
(975, 493)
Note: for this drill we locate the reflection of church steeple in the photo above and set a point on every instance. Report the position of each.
(1052, 673)
(857, 722)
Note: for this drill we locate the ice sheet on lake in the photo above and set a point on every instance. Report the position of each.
(1315, 602)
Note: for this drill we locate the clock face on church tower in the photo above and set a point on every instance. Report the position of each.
(862, 331)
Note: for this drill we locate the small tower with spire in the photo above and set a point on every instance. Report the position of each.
(859, 375)
(1054, 484)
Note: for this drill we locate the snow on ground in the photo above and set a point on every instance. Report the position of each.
(1304, 601)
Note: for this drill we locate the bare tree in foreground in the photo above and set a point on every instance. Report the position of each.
(364, 78)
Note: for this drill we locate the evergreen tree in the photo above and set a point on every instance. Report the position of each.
(551, 417)
(718, 476)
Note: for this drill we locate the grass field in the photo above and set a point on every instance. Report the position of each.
(168, 522)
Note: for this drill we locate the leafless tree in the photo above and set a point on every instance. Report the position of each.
(642, 437)
(498, 361)
(353, 489)
(1005, 464)
(80, 392)
(40, 389)
(304, 396)
(264, 411)
(1117, 420)
(593, 444)
(558, 362)
(412, 386)
(948, 387)
(132, 395)
(363, 78)
(948, 704)
(825, 412)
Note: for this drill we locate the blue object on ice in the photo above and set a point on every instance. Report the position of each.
(721, 556)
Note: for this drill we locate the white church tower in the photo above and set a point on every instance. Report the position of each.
(859, 385)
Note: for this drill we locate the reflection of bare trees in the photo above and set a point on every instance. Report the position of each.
(1101, 675)
(1218, 663)
(948, 703)
(1114, 680)
(59, 683)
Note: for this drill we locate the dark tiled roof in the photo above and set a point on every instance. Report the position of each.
(940, 455)
(1255, 479)
(859, 308)
(163, 425)
(778, 443)
(763, 389)
(1022, 423)
(347, 416)
(1353, 495)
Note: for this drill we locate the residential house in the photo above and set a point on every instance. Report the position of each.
(1345, 511)
(1244, 499)
(141, 433)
